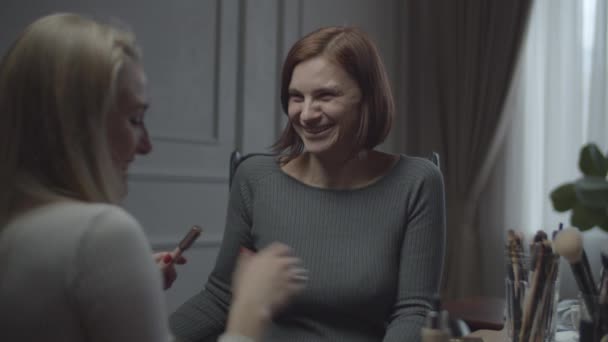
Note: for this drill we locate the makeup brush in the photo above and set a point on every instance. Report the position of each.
(519, 248)
(517, 273)
(569, 244)
(540, 236)
(542, 290)
(561, 226)
(588, 272)
(535, 292)
(602, 286)
(603, 292)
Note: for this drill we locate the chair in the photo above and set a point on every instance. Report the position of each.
(237, 158)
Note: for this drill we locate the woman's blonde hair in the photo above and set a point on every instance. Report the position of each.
(57, 84)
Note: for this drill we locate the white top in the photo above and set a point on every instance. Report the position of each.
(79, 272)
(72, 271)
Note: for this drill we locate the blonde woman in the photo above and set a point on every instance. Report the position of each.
(73, 266)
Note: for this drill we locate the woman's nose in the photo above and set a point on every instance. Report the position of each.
(310, 112)
(144, 145)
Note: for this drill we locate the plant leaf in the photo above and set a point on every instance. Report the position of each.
(592, 161)
(592, 191)
(585, 218)
(563, 197)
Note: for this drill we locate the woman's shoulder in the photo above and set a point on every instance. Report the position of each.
(255, 167)
(418, 164)
(253, 162)
(109, 221)
(73, 218)
(62, 232)
(97, 228)
(86, 211)
(417, 169)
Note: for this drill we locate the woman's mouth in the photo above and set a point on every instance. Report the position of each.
(317, 129)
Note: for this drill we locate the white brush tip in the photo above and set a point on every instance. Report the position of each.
(569, 244)
(605, 250)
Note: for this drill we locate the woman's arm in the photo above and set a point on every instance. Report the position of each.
(421, 263)
(115, 285)
(204, 315)
(263, 284)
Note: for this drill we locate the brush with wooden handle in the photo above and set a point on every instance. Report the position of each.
(569, 244)
(544, 315)
(536, 309)
(517, 275)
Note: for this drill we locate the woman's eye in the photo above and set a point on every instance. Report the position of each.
(327, 97)
(296, 98)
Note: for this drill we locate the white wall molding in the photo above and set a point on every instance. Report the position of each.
(192, 76)
(261, 52)
(290, 23)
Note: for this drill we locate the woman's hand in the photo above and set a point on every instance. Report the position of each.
(166, 263)
(263, 283)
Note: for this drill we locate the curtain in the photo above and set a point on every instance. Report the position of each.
(557, 104)
(460, 58)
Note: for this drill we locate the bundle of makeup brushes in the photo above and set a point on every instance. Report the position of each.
(531, 293)
(594, 325)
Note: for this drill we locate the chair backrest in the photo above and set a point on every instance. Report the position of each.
(237, 158)
(435, 159)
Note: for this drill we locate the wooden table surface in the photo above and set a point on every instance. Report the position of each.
(478, 312)
(490, 335)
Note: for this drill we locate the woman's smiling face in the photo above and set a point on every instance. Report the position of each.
(324, 107)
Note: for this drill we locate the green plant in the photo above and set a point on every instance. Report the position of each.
(586, 197)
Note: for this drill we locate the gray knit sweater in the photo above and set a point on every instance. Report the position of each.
(374, 254)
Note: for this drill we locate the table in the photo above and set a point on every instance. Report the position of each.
(490, 335)
(480, 313)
